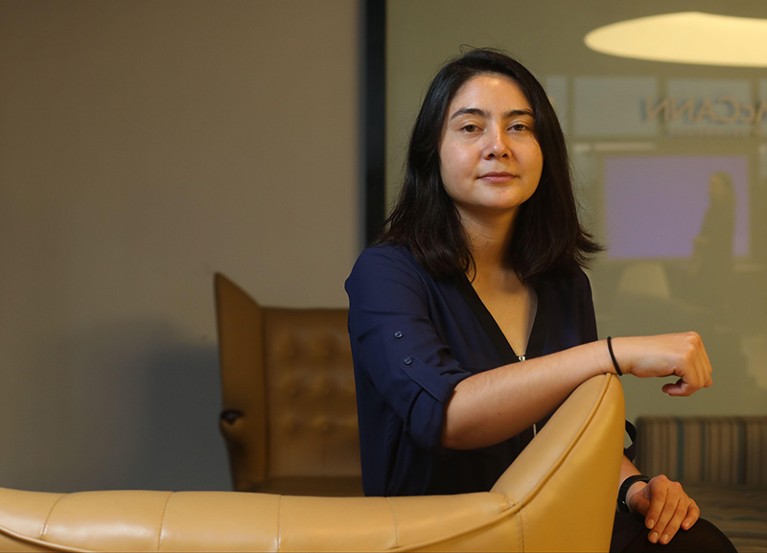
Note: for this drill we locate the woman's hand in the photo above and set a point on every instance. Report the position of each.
(682, 355)
(665, 506)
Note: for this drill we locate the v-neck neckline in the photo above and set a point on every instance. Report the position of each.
(494, 331)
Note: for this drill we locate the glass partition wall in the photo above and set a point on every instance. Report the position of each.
(669, 159)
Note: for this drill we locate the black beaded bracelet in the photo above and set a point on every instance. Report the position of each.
(618, 370)
(623, 507)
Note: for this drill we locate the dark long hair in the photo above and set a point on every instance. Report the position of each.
(547, 233)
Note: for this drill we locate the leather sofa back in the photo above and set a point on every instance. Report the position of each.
(558, 495)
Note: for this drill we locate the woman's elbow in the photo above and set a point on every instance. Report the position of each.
(457, 432)
(454, 440)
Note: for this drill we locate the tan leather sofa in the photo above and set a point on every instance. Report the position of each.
(559, 495)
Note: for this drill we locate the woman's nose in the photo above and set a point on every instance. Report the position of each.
(496, 145)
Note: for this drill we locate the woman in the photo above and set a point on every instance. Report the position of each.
(711, 267)
(472, 320)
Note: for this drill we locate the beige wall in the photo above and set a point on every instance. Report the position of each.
(143, 146)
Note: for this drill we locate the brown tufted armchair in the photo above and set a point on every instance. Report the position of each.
(559, 495)
(289, 414)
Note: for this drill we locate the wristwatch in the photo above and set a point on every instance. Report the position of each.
(623, 507)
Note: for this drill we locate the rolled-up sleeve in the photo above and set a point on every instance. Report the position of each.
(396, 345)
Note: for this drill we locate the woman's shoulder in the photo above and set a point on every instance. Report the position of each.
(385, 261)
(389, 274)
(383, 256)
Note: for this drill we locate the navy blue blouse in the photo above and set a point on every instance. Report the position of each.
(413, 339)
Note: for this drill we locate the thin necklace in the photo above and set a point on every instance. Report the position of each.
(535, 425)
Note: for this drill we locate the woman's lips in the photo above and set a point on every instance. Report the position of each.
(497, 177)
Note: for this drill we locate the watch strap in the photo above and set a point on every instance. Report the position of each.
(623, 507)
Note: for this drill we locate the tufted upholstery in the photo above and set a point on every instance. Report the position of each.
(289, 413)
(558, 495)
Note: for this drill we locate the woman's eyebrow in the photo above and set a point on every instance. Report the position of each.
(517, 112)
(469, 111)
(485, 114)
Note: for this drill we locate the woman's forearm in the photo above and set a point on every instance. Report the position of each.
(490, 407)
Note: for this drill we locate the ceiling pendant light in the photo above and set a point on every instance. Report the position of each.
(687, 37)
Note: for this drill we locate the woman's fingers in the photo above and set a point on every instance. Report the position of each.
(670, 509)
(682, 355)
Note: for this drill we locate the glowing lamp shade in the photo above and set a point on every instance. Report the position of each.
(687, 37)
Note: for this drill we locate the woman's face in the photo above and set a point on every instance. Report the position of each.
(490, 159)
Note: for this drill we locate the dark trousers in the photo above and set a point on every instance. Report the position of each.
(630, 535)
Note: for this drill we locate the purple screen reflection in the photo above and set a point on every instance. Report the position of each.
(654, 205)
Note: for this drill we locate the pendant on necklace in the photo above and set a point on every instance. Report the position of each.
(535, 426)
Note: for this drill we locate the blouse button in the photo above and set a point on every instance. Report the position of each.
(408, 360)
(398, 334)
